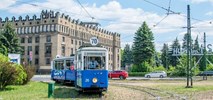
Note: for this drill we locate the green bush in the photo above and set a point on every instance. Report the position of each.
(30, 71)
(10, 73)
(137, 73)
(143, 67)
(209, 67)
(160, 68)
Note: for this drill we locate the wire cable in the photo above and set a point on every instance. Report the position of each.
(85, 9)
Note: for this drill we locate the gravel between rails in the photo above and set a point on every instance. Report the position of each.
(153, 94)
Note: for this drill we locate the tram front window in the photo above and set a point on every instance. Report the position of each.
(94, 62)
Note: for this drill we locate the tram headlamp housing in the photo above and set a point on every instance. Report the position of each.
(94, 80)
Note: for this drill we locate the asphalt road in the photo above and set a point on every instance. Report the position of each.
(46, 78)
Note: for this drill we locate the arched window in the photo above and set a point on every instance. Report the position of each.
(29, 29)
(41, 28)
(23, 29)
(48, 28)
(52, 28)
(19, 30)
(44, 28)
(33, 29)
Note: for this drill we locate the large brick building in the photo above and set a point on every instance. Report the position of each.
(57, 34)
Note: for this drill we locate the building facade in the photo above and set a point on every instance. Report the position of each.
(57, 34)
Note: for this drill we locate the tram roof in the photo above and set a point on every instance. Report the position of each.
(63, 58)
(92, 48)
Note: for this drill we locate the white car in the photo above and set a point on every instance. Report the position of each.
(160, 74)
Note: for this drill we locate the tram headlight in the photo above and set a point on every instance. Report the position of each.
(94, 80)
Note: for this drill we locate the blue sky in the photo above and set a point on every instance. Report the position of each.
(126, 16)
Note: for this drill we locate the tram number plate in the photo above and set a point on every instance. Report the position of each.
(86, 80)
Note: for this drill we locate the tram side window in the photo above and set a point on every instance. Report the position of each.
(59, 65)
(69, 64)
(79, 62)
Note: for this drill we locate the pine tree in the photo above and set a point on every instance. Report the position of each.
(10, 40)
(143, 45)
(127, 55)
(184, 44)
(165, 56)
(174, 60)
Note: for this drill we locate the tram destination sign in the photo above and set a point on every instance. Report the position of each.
(94, 41)
(179, 52)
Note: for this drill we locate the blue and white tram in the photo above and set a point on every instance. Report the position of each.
(92, 79)
(63, 69)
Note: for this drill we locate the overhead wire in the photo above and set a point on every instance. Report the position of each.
(85, 10)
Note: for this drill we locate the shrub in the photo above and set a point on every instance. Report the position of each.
(160, 68)
(137, 73)
(143, 67)
(21, 74)
(30, 71)
(209, 67)
(10, 73)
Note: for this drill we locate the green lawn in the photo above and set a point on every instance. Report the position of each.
(33, 90)
(39, 91)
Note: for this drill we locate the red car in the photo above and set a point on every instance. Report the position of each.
(122, 74)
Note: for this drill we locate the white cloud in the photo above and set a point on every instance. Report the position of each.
(125, 21)
(210, 13)
(6, 3)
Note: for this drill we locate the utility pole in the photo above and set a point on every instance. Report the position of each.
(189, 49)
(204, 53)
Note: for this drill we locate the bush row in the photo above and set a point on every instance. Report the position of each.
(13, 74)
(141, 74)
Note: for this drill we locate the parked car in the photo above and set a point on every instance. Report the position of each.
(160, 74)
(122, 74)
(206, 73)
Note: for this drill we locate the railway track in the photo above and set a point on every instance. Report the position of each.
(155, 94)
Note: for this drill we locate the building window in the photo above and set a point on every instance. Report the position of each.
(47, 60)
(22, 23)
(23, 50)
(30, 40)
(36, 61)
(48, 38)
(36, 50)
(52, 20)
(37, 22)
(79, 42)
(72, 51)
(63, 39)
(37, 39)
(48, 49)
(22, 40)
(72, 41)
(29, 48)
(76, 42)
(63, 50)
(30, 23)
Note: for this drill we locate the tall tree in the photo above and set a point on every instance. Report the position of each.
(9, 39)
(165, 56)
(127, 55)
(184, 44)
(174, 60)
(143, 49)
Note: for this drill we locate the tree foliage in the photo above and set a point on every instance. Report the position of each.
(9, 40)
(174, 60)
(127, 55)
(165, 56)
(143, 45)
